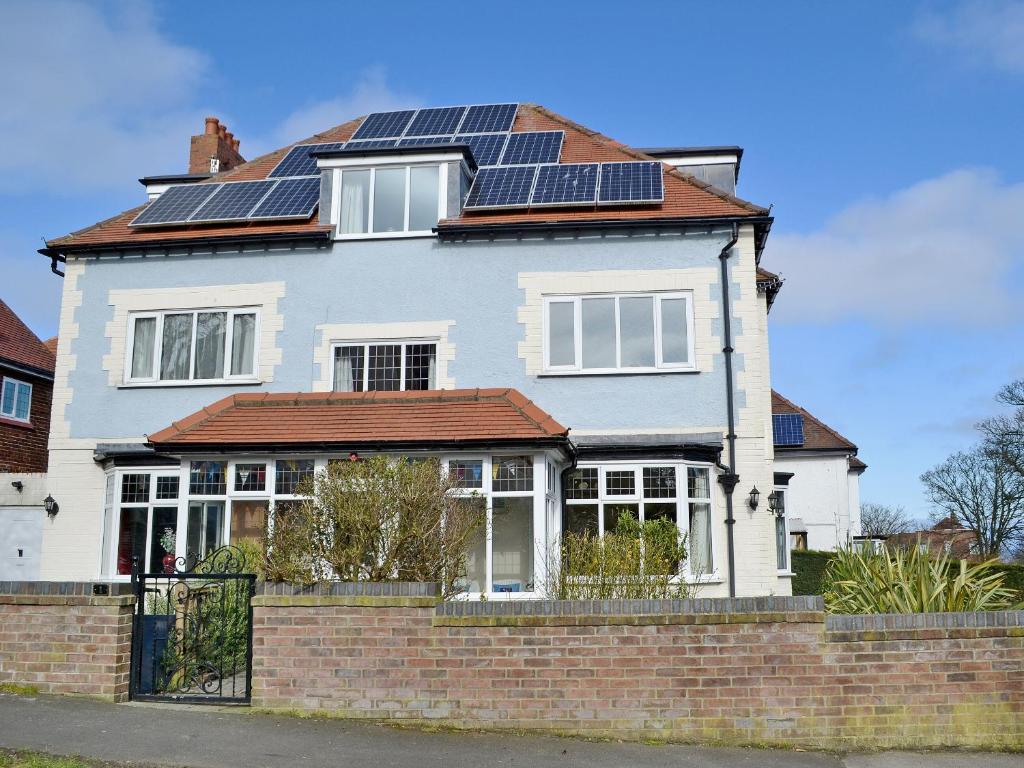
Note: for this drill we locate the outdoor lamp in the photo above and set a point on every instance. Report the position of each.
(773, 502)
(51, 506)
(754, 496)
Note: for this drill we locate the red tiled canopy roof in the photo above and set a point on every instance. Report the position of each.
(360, 418)
(19, 345)
(685, 196)
(818, 436)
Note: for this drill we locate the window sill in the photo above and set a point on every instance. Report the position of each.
(618, 372)
(384, 235)
(203, 383)
(12, 422)
(785, 574)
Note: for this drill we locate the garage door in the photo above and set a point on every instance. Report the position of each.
(21, 533)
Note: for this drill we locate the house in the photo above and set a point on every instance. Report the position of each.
(818, 471)
(576, 328)
(948, 536)
(26, 386)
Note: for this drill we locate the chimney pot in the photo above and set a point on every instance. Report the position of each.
(212, 125)
(215, 150)
(235, 144)
(221, 130)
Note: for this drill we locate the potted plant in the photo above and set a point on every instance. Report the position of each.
(168, 541)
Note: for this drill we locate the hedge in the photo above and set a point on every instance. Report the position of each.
(809, 568)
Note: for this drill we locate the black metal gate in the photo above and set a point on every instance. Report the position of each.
(192, 636)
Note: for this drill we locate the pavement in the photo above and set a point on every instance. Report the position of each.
(223, 737)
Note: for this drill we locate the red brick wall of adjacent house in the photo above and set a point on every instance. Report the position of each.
(23, 446)
(74, 644)
(766, 676)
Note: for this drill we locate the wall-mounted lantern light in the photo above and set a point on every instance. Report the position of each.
(51, 506)
(773, 504)
(754, 496)
(17, 485)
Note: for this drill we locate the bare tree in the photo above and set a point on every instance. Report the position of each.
(984, 491)
(1005, 433)
(883, 520)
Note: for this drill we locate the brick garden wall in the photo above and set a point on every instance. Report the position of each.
(57, 638)
(764, 670)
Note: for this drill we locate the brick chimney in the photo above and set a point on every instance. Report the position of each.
(214, 150)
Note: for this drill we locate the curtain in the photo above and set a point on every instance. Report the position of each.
(176, 355)
(142, 349)
(243, 345)
(355, 198)
(210, 330)
(432, 372)
(700, 539)
(348, 369)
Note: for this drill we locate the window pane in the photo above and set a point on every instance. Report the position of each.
(598, 333)
(348, 369)
(355, 202)
(780, 543)
(248, 519)
(161, 548)
(205, 529)
(23, 402)
(131, 539)
(385, 368)
(250, 477)
(700, 539)
(636, 320)
(698, 483)
(468, 474)
(290, 473)
(142, 348)
(167, 487)
(423, 197)
(674, 333)
(612, 513)
(660, 510)
(176, 355)
(620, 482)
(583, 484)
(243, 345)
(659, 482)
(581, 519)
(511, 473)
(10, 391)
(135, 489)
(389, 200)
(210, 335)
(561, 333)
(512, 544)
(476, 558)
(206, 478)
(420, 366)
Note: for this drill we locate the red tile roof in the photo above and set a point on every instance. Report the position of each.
(685, 196)
(349, 418)
(19, 345)
(818, 436)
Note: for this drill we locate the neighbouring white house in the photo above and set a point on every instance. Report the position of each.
(576, 328)
(818, 471)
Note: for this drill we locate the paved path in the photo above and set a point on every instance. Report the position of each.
(219, 737)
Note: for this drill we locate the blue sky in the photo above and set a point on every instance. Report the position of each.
(886, 135)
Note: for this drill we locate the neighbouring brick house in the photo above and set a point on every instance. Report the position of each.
(578, 329)
(26, 388)
(947, 536)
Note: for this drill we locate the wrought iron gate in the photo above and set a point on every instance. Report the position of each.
(192, 636)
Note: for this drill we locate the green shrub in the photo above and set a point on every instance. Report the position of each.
(808, 570)
(858, 581)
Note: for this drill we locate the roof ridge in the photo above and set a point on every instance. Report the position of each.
(598, 136)
(807, 414)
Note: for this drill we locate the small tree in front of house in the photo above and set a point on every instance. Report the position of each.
(377, 519)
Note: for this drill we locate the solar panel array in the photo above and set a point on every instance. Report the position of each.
(533, 148)
(631, 182)
(298, 161)
(569, 184)
(294, 198)
(175, 205)
(788, 428)
(502, 186)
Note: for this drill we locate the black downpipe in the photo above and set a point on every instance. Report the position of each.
(729, 480)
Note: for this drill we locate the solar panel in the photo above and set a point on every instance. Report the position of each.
(436, 122)
(298, 161)
(422, 141)
(290, 199)
(635, 182)
(232, 201)
(502, 187)
(372, 144)
(489, 118)
(533, 147)
(486, 147)
(569, 184)
(788, 428)
(382, 125)
(175, 205)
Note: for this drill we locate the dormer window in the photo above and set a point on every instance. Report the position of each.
(398, 199)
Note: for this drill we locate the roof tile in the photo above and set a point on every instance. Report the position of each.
(19, 345)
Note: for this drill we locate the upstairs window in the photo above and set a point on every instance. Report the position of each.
(398, 199)
(192, 346)
(385, 367)
(16, 399)
(612, 333)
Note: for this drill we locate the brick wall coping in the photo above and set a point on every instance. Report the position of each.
(109, 600)
(884, 621)
(62, 588)
(351, 588)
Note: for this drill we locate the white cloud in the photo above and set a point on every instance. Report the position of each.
(941, 252)
(94, 93)
(987, 32)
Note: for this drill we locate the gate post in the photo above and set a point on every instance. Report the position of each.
(138, 589)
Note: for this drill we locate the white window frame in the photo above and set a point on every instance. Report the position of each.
(150, 504)
(16, 383)
(366, 344)
(442, 186)
(787, 570)
(682, 500)
(660, 366)
(154, 380)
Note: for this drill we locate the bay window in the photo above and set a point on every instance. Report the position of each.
(145, 520)
(386, 366)
(392, 199)
(603, 333)
(597, 496)
(192, 346)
